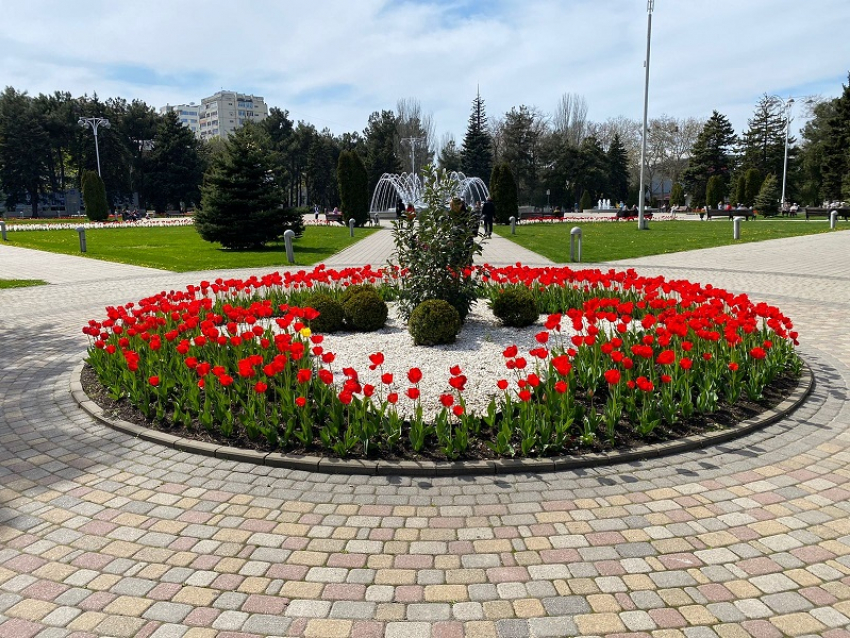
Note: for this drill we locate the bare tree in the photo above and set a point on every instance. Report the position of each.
(668, 145)
(416, 138)
(496, 128)
(570, 118)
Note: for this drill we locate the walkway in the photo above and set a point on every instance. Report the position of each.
(104, 535)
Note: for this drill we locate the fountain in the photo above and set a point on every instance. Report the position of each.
(408, 188)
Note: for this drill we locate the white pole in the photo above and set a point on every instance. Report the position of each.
(97, 150)
(642, 202)
(788, 104)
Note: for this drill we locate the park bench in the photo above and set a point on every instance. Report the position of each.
(746, 213)
(817, 211)
(532, 215)
(331, 217)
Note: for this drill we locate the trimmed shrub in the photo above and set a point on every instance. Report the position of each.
(586, 201)
(355, 289)
(331, 314)
(515, 307)
(434, 322)
(365, 311)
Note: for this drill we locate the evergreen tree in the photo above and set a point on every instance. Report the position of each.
(450, 157)
(381, 155)
(94, 196)
(752, 186)
(586, 202)
(835, 162)
(593, 173)
(353, 187)
(711, 154)
(618, 170)
(677, 195)
(815, 137)
(174, 168)
(768, 197)
(503, 189)
(763, 144)
(715, 190)
(24, 150)
(477, 153)
(241, 203)
(740, 194)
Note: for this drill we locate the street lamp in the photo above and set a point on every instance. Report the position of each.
(786, 105)
(413, 142)
(94, 123)
(650, 5)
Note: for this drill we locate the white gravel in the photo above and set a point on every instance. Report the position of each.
(477, 350)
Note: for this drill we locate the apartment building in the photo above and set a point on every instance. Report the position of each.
(225, 111)
(188, 114)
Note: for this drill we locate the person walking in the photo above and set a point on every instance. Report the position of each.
(488, 214)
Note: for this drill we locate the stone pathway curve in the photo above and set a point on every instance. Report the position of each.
(104, 535)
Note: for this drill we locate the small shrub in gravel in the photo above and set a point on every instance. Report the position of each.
(365, 311)
(515, 307)
(331, 315)
(434, 322)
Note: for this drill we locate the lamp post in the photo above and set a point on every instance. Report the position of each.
(788, 104)
(94, 123)
(650, 5)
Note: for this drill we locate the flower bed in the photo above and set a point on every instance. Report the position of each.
(618, 358)
(116, 223)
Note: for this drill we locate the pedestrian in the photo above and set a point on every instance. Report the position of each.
(488, 214)
(316, 212)
(399, 208)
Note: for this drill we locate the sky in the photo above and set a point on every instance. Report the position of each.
(334, 62)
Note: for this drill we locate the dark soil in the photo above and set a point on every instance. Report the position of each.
(726, 416)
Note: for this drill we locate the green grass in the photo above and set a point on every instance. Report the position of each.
(20, 283)
(181, 249)
(608, 241)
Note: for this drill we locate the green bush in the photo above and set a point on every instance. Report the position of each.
(94, 196)
(356, 289)
(515, 307)
(434, 322)
(365, 311)
(331, 314)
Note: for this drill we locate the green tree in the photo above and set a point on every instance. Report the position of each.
(381, 155)
(24, 150)
(503, 189)
(766, 202)
(715, 191)
(592, 174)
(241, 204)
(353, 187)
(522, 136)
(816, 134)
(476, 155)
(174, 166)
(94, 196)
(739, 195)
(835, 160)
(322, 163)
(618, 170)
(450, 156)
(763, 144)
(711, 155)
(677, 195)
(752, 186)
(586, 201)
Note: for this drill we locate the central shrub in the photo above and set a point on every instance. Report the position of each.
(435, 248)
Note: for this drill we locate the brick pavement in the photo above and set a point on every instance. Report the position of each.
(104, 535)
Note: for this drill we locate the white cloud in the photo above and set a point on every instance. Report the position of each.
(721, 55)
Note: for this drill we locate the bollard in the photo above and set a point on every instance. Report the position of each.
(833, 217)
(351, 227)
(736, 227)
(513, 225)
(3, 229)
(575, 233)
(287, 241)
(82, 232)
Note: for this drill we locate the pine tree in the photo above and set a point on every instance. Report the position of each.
(835, 163)
(711, 154)
(353, 187)
(503, 189)
(241, 203)
(763, 144)
(752, 186)
(618, 170)
(766, 201)
(174, 168)
(477, 152)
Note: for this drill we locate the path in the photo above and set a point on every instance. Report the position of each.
(103, 535)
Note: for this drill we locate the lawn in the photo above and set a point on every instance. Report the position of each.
(181, 249)
(609, 241)
(20, 283)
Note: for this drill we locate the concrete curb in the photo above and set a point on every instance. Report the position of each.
(433, 469)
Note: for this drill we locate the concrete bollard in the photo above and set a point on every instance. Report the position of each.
(736, 227)
(3, 230)
(513, 225)
(575, 238)
(82, 232)
(351, 227)
(287, 241)
(833, 218)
